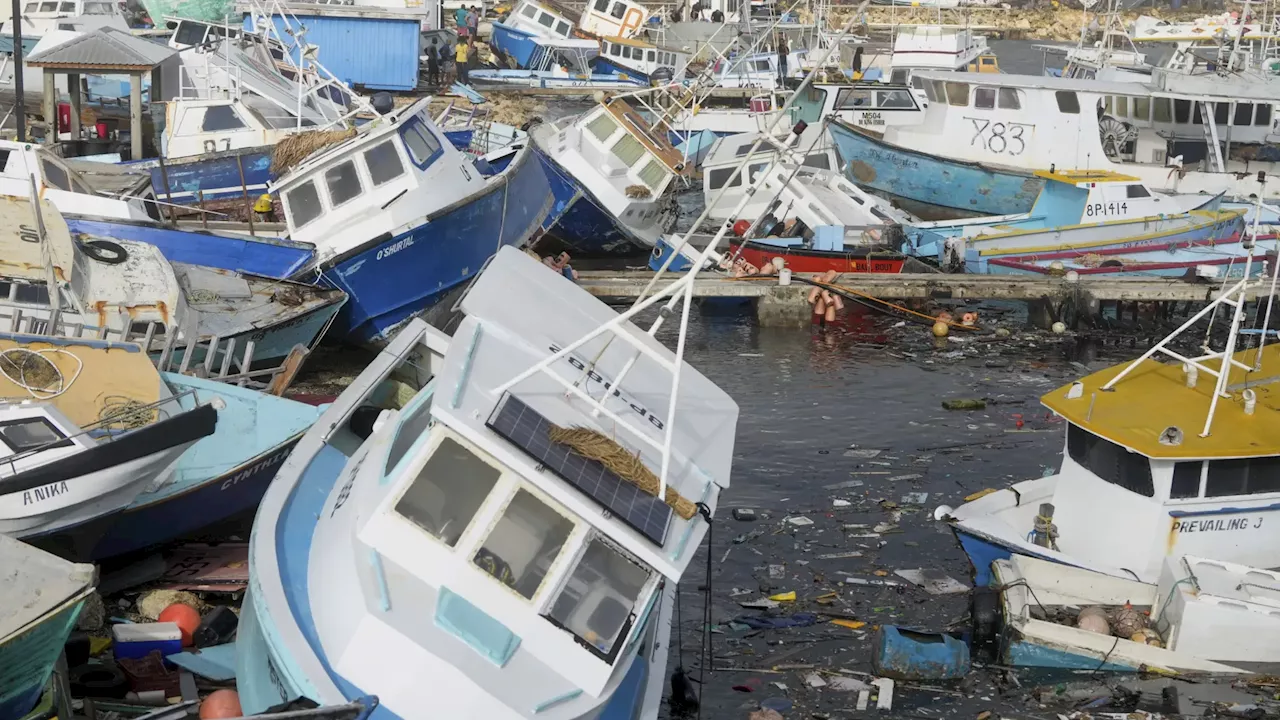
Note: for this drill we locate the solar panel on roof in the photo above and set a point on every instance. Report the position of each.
(528, 430)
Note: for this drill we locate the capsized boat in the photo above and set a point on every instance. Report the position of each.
(449, 532)
(614, 179)
(110, 288)
(1199, 615)
(1080, 212)
(43, 596)
(1148, 474)
(98, 426)
(399, 217)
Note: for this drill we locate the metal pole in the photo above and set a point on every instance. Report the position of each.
(19, 107)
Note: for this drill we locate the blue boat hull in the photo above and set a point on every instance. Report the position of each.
(268, 257)
(930, 180)
(27, 659)
(580, 222)
(394, 279)
(211, 177)
(515, 44)
(605, 65)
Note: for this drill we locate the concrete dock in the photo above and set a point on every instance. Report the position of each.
(787, 305)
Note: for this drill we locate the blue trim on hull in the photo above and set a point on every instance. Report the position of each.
(579, 221)
(217, 175)
(1026, 654)
(982, 553)
(267, 257)
(28, 659)
(605, 65)
(392, 279)
(932, 180)
(515, 44)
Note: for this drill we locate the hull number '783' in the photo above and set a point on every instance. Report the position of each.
(1000, 138)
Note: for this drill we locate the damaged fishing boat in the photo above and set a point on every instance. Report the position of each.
(399, 217)
(112, 288)
(468, 542)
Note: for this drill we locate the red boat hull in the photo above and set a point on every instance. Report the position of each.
(819, 261)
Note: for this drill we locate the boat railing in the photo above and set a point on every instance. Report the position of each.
(221, 359)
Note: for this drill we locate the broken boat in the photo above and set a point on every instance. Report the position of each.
(465, 542)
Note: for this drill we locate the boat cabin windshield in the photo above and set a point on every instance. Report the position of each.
(1110, 462)
(28, 434)
(527, 544)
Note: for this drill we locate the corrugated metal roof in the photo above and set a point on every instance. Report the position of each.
(376, 53)
(104, 47)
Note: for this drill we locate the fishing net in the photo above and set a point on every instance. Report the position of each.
(594, 445)
(204, 10)
(295, 148)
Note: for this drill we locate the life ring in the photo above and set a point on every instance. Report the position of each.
(105, 251)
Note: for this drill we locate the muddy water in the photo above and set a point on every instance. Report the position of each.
(808, 397)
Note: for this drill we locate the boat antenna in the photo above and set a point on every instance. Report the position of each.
(1235, 298)
(678, 291)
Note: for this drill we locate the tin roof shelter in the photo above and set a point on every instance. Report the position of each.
(105, 51)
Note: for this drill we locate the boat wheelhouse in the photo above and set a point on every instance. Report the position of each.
(614, 178)
(60, 184)
(1009, 125)
(516, 36)
(40, 17)
(1147, 474)
(873, 106)
(636, 58)
(461, 543)
(919, 48)
(399, 217)
(720, 163)
(614, 19)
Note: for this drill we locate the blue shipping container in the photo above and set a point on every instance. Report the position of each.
(377, 53)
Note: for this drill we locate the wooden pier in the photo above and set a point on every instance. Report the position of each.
(787, 305)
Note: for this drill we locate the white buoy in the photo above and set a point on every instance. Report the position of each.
(1058, 328)
(942, 512)
(1072, 276)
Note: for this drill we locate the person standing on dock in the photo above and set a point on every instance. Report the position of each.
(460, 19)
(473, 24)
(460, 61)
(433, 63)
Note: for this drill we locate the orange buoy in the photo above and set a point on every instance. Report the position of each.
(187, 618)
(741, 227)
(221, 704)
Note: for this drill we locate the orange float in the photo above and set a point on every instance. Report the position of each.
(221, 704)
(186, 617)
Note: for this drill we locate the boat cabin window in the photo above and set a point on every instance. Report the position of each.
(29, 434)
(1136, 191)
(524, 543)
(67, 7)
(546, 20)
(422, 144)
(221, 117)
(54, 175)
(1162, 110)
(618, 10)
(448, 491)
(49, 7)
(898, 77)
(602, 127)
(189, 33)
(1182, 111)
(649, 55)
(939, 90)
(717, 178)
(304, 204)
(31, 7)
(1248, 476)
(97, 8)
(598, 602)
(852, 98)
(1263, 116)
(958, 94)
(984, 98)
(1110, 462)
(1243, 114)
(615, 50)
(601, 5)
(930, 91)
(412, 427)
(1068, 102)
(1142, 108)
(894, 99)
(1008, 99)
(562, 28)
(654, 173)
(529, 11)
(343, 182)
(383, 163)
(817, 160)
(1186, 480)
(628, 150)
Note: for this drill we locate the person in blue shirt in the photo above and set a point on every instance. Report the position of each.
(460, 17)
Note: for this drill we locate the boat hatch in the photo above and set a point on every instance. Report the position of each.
(520, 540)
(27, 434)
